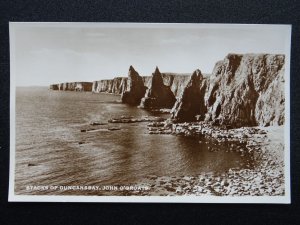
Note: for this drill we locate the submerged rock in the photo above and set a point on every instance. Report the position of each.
(97, 123)
(123, 119)
(158, 95)
(31, 164)
(135, 89)
(114, 128)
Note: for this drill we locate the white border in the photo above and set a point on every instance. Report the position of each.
(287, 146)
(163, 199)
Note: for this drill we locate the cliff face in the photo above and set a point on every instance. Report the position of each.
(177, 82)
(72, 86)
(158, 95)
(115, 86)
(119, 84)
(243, 90)
(270, 105)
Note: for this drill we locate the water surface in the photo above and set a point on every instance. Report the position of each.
(51, 150)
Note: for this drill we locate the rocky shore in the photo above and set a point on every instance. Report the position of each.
(261, 147)
(263, 175)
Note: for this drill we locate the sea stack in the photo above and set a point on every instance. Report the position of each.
(157, 95)
(135, 89)
(191, 101)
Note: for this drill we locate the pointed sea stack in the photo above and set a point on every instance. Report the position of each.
(158, 95)
(191, 102)
(135, 88)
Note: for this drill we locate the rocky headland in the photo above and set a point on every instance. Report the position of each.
(72, 86)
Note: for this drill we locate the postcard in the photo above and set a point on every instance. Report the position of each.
(149, 112)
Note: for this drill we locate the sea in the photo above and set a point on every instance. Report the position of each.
(51, 150)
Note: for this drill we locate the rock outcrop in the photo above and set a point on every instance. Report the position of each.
(191, 102)
(158, 95)
(135, 89)
(243, 90)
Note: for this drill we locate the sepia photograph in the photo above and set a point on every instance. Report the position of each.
(149, 112)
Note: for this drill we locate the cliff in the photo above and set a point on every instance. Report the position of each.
(72, 86)
(119, 84)
(115, 86)
(243, 90)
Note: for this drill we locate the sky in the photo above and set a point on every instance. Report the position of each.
(46, 53)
